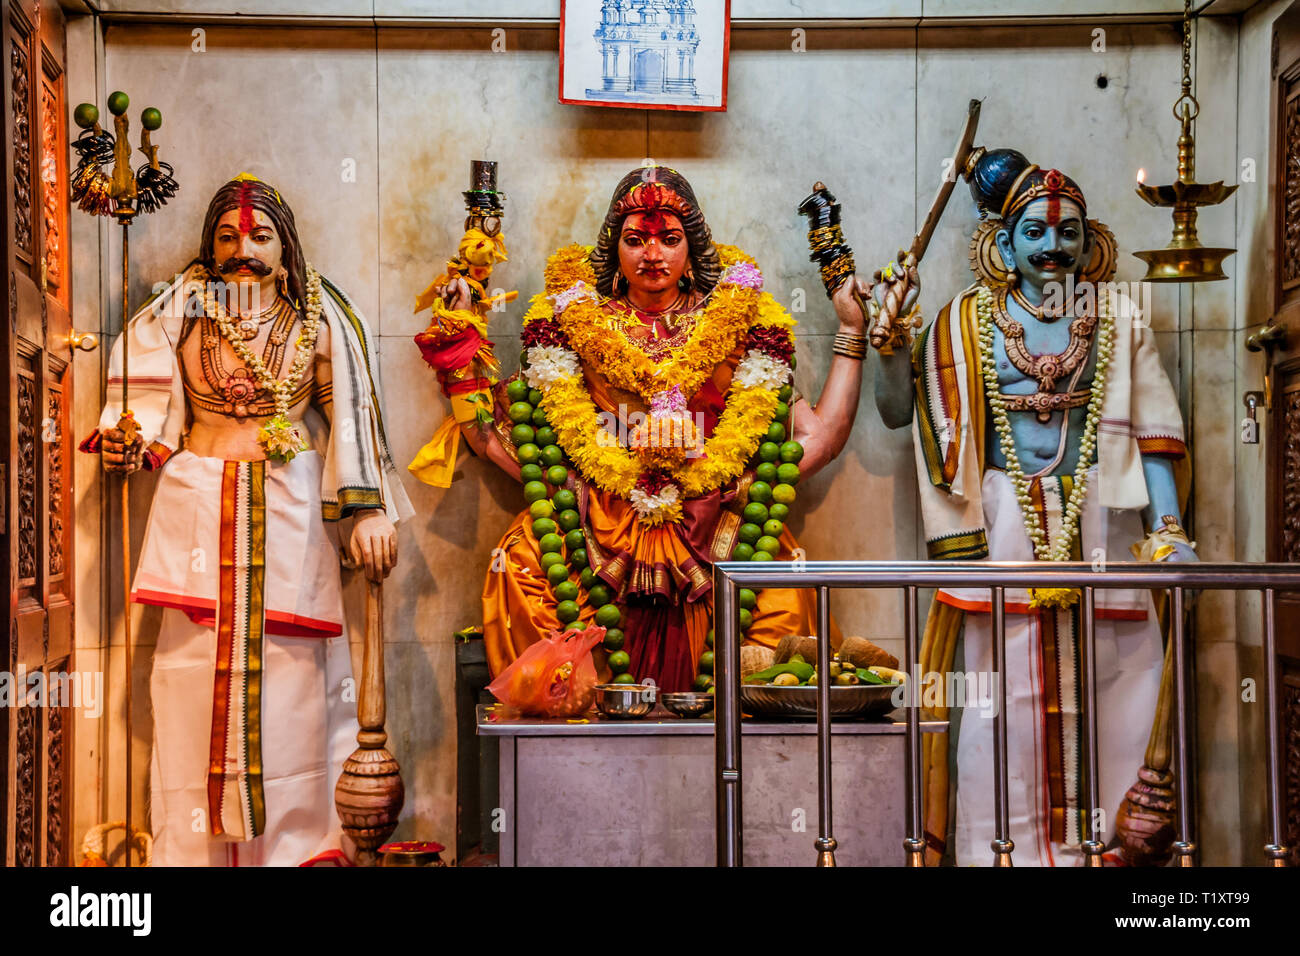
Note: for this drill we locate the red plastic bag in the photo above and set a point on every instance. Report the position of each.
(555, 677)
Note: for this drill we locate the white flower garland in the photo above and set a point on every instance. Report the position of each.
(648, 505)
(550, 363)
(1064, 545)
(759, 370)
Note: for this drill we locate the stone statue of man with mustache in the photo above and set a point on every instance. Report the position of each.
(1045, 429)
(253, 382)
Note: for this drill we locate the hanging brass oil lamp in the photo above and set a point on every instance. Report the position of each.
(1185, 259)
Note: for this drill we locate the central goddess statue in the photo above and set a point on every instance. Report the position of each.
(655, 428)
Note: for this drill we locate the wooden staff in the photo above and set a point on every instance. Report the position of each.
(369, 793)
(1146, 822)
(896, 292)
(123, 191)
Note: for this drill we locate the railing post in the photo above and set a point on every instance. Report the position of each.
(1002, 843)
(825, 840)
(914, 843)
(726, 645)
(1185, 845)
(1275, 851)
(1092, 843)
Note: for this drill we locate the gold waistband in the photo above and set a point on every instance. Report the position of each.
(1046, 401)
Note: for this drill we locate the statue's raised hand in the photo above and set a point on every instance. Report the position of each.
(116, 455)
(374, 543)
(455, 294)
(897, 287)
(848, 307)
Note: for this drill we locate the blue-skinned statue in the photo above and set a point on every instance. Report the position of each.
(1045, 429)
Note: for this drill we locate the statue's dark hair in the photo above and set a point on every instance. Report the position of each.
(992, 177)
(705, 265)
(265, 198)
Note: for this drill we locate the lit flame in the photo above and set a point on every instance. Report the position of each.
(1142, 175)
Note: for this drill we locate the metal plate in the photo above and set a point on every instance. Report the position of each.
(860, 700)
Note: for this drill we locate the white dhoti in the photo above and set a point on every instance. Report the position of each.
(1043, 680)
(251, 686)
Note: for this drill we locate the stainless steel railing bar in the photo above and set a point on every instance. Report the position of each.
(1184, 846)
(997, 576)
(1274, 851)
(726, 646)
(1008, 574)
(1092, 843)
(825, 844)
(914, 843)
(1002, 844)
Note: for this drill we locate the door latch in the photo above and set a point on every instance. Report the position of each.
(1250, 424)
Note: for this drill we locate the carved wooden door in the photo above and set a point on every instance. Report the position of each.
(1281, 340)
(36, 721)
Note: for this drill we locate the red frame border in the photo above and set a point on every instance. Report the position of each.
(726, 75)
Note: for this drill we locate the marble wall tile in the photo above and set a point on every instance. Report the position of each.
(793, 119)
(1100, 137)
(558, 164)
(1252, 814)
(295, 107)
(740, 9)
(282, 8)
(1040, 8)
(1214, 437)
(422, 736)
(1218, 763)
(1215, 65)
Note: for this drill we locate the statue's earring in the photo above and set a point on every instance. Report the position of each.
(686, 282)
(620, 284)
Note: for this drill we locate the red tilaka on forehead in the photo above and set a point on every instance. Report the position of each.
(1053, 181)
(647, 196)
(246, 206)
(652, 221)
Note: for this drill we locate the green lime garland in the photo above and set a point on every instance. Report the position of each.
(766, 508)
(557, 525)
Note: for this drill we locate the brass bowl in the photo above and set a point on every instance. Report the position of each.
(625, 700)
(690, 703)
(856, 700)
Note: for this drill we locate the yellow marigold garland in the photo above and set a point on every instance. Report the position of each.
(615, 469)
(568, 404)
(593, 335)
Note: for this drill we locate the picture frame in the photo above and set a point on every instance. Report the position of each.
(645, 54)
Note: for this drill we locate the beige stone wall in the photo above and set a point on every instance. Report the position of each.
(872, 112)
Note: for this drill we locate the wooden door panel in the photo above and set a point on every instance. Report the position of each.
(38, 557)
(1283, 438)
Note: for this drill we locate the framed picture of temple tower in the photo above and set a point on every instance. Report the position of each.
(648, 54)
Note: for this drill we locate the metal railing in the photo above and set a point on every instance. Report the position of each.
(730, 576)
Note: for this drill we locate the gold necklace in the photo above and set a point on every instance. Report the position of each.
(249, 325)
(1047, 367)
(279, 437)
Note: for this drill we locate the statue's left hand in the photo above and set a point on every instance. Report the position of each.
(374, 543)
(1182, 553)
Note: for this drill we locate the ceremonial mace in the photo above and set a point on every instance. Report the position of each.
(369, 794)
(826, 240)
(123, 195)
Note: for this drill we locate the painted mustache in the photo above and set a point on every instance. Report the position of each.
(235, 263)
(1040, 259)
